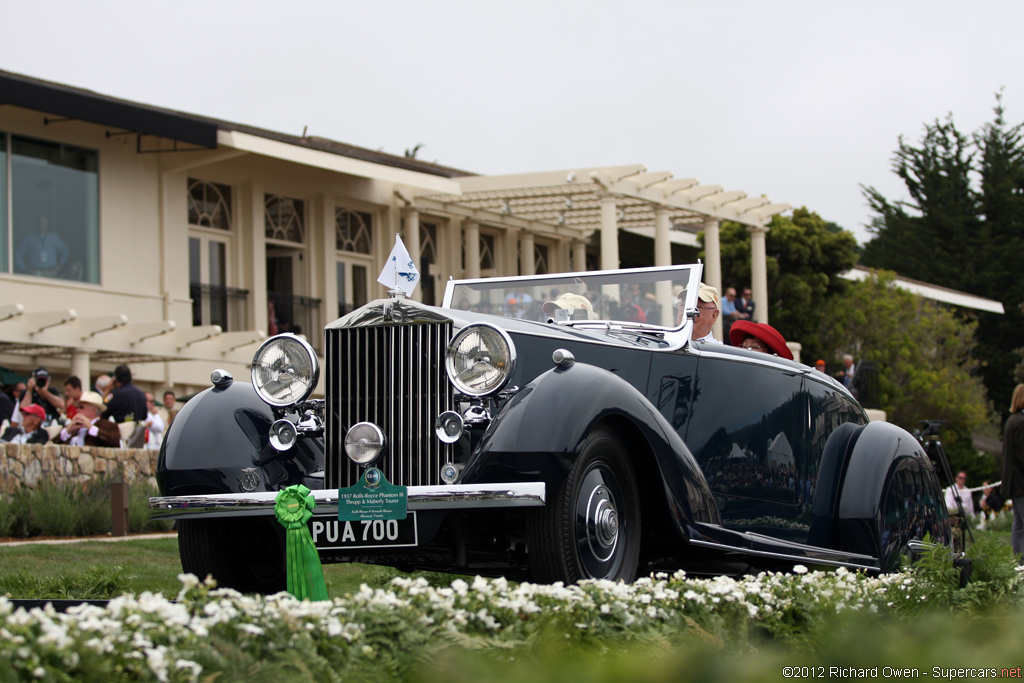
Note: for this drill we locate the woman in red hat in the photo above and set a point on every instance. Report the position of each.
(759, 337)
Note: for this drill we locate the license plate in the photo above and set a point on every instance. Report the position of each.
(329, 533)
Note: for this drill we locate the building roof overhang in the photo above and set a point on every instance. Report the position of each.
(572, 199)
(85, 105)
(933, 292)
(25, 332)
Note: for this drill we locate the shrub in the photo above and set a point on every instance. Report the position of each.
(49, 509)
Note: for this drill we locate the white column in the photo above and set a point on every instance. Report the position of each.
(325, 275)
(527, 259)
(662, 241)
(713, 265)
(609, 233)
(663, 257)
(80, 367)
(412, 243)
(471, 243)
(579, 256)
(759, 273)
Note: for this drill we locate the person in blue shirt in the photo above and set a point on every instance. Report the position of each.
(42, 253)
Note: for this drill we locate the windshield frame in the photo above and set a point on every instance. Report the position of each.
(678, 334)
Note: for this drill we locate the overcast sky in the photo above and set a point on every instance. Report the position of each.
(799, 101)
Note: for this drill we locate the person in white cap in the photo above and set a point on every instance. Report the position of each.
(578, 307)
(86, 428)
(707, 313)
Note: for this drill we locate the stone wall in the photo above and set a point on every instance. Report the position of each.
(27, 464)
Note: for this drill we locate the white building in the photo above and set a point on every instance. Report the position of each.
(184, 241)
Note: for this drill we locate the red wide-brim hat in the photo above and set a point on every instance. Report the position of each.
(742, 329)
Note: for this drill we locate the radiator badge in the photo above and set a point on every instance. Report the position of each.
(249, 479)
(373, 497)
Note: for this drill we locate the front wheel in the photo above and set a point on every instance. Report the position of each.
(590, 529)
(246, 554)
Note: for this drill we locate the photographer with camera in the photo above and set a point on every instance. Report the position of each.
(41, 392)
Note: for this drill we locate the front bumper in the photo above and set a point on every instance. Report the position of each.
(454, 497)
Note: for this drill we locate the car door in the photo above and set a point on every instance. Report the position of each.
(747, 427)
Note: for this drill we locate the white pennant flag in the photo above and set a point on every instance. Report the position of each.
(400, 270)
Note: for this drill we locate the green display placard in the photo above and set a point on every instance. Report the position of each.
(373, 497)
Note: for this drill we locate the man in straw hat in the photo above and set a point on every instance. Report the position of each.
(707, 313)
(86, 428)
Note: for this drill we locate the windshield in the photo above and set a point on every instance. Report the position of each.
(643, 296)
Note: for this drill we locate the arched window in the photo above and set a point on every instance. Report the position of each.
(284, 218)
(209, 204)
(353, 231)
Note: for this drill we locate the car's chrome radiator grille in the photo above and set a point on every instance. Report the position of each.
(394, 377)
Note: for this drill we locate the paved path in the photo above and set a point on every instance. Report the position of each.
(104, 539)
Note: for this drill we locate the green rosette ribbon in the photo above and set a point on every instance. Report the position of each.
(293, 507)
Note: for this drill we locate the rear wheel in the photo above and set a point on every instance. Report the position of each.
(244, 554)
(590, 527)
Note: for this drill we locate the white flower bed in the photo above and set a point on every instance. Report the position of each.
(152, 638)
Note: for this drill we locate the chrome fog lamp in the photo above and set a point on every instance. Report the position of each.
(480, 360)
(450, 472)
(364, 443)
(285, 370)
(283, 435)
(448, 426)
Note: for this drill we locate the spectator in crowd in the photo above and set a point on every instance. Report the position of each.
(16, 391)
(41, 253)
(6, 405)
(154, 424)
(707, 313)
(759, 337)
(1013, 466)
(104, 385)
(127, 402)
(745, 305)
(846, 374)
(172, 407)
(729, 314)
(819, 365)
(991, 501)
(40, 392)
(31, 428)
(959, 492)
(72, 392)
(87, 429)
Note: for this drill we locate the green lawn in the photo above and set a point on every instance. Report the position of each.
(98, 569)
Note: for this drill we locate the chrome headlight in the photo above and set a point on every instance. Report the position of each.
(285, 370)
(480, 360)
(364, 443)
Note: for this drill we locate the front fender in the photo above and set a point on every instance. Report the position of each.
(219, 443)
(890, 495)
(536, 435)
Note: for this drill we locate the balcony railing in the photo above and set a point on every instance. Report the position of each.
(219, 305)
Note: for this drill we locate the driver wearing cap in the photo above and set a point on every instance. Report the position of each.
(707, 313)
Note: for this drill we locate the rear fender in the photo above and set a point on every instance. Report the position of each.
(535, 437)
(890, 495)
(219, 443)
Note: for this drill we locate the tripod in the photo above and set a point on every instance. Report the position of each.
(928, 435)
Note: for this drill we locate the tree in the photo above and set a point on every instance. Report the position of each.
(805, 256)
(924, 355)
(953, 235)
(928, 237)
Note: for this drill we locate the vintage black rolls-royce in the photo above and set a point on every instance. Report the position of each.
(554, 427)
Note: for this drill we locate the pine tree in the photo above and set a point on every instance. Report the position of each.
(953, 235)
(934, 237)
